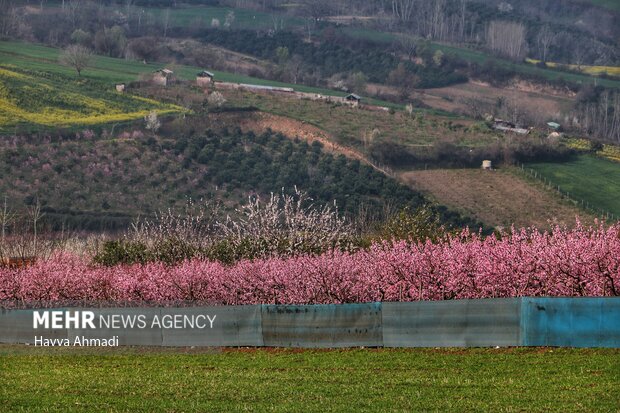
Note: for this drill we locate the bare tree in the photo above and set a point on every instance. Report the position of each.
(463, 11)
(545, 40)
(507, 38)
(600, 116)
(317, 9)
(36, 215)
(72, 8)
(76, 56)
(7, 217)
(166, 22)
(9, 18)
(403, 9)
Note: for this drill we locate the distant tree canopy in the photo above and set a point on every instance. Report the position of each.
(340, 55)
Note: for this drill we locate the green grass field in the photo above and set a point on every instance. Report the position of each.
(357, 380)
(608, 4)
(590, 178)
(112, 70)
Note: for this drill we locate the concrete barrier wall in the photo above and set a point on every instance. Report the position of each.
(459, 323)
(329, 325)
(571, 322)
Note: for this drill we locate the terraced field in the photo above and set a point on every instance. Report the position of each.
(40, 99)
(496, 198)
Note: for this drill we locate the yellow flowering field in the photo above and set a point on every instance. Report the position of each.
(590, 70)
(45, 99)
(611, 152)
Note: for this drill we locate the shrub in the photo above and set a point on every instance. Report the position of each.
(525, 262)
(122, 252)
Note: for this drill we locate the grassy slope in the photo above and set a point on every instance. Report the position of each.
(36, 98)
(113, 70)
(592, 179)
(141, 380)
(347, 125)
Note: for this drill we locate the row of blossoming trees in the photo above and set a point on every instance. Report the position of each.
(564, 262)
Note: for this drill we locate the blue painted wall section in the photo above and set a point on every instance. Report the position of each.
(570, 322)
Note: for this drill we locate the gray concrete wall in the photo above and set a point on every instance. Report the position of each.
(571, 322)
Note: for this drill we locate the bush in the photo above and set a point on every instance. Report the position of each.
(122, 252)
(416, 226)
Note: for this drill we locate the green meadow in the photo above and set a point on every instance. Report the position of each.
(271, 380)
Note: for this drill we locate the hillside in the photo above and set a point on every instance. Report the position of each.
(98, 184)
(594, 180)
(30, 100)
(376, 141)
(109, 70)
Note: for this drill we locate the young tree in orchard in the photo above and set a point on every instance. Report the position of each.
(151, 122)
(76, 56)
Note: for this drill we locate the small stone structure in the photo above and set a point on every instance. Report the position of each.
(163, 76)
(353, 99)
(204, 78)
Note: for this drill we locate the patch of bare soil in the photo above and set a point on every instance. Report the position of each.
(496, 198)
(538, 103)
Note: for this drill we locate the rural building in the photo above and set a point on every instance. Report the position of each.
(163, 76)
(506, 126)
(353, 99)
(553, 125)
(120, 87)
(487, 165)
(204, 78)
(266, 88)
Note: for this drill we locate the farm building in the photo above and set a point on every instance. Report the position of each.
(554, 125)
(204, 78)
(353, 99)
(506, 126)
(120, 87)
(266, 88)
(163, 76)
